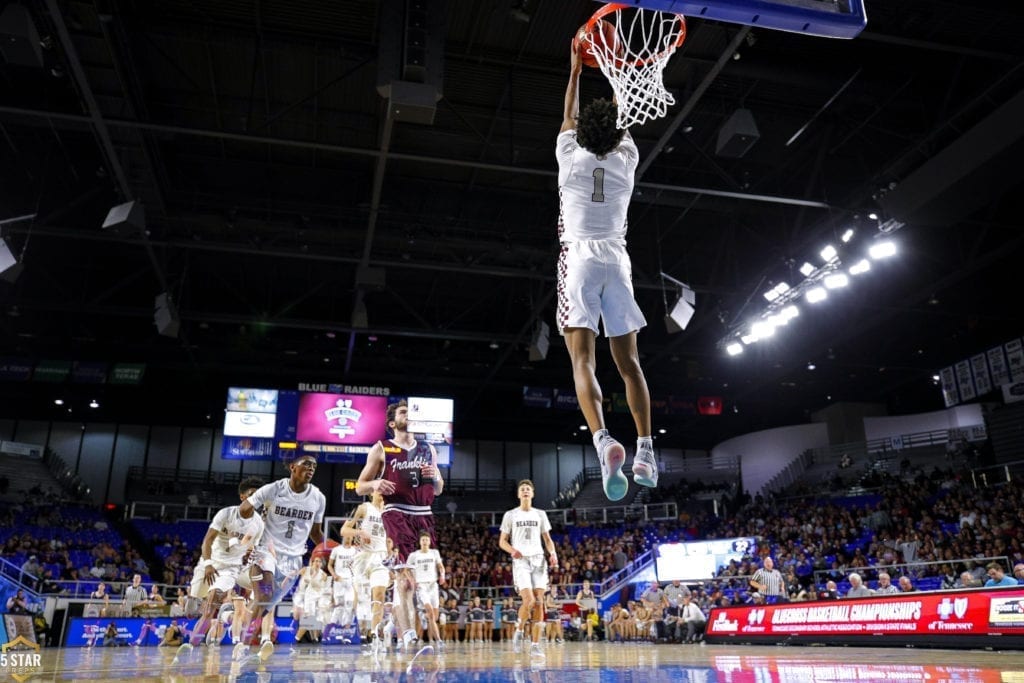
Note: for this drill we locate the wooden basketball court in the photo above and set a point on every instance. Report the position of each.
(563, 663)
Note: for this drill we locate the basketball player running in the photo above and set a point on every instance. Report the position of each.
(228, 539)
(429, 571)
(523, 529)
(367, 526)
(294, 514)
(340, 566)
(405, 472)
(596, 165)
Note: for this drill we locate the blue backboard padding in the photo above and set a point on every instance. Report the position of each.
(813, 17)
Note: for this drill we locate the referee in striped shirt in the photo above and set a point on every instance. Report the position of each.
(769, 583)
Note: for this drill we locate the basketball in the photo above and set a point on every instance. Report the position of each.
(609, 37)
(323, 550)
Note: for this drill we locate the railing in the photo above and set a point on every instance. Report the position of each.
(156, 510)
(891, 445)
(913, 569)
(624, 513)
(996, 474)
(17, 576)
(603, 515)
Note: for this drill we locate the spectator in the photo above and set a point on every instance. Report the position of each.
(906, 585)
(694, 620)
(831, 592)
(655, 602)
(967, 580)
(857, 587)
(172, 635)
(885, 586)
(110, 636)
(101, 597)
(33, 569)
(1018, 571)
(997, 577)
(17, 603)
(155, 599)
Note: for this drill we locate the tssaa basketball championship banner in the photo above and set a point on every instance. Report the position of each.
(946, 619)
(784, 669)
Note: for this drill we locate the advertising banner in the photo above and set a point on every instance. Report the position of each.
(939, 614)
(982, 380)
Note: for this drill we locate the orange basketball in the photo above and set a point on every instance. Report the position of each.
(323, 550)
(606, 36)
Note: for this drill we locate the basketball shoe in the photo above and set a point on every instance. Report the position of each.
(645, 466)
(612, 455)
(536, 652)
(517, 641)
(266, 649)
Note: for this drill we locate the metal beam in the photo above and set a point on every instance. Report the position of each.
(278, 253)
(358, 151)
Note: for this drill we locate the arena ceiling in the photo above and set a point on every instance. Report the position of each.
(281, 199)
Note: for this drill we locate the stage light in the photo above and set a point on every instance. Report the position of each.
(790, 312)
(94, 404)
(816, 294)
(734, 349)
(836, 280)
(749, 339)
(583, 428)
(873, 216)
(882, 250)
(829, 253)
(847, 236)
(662, 431)
(776, 291)
(860, 267)
(58, 401)
(811, 366)
(762, 329)
(806, 269)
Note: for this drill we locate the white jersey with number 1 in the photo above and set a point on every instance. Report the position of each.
(524, 528)
(595, 191)
(290, 515)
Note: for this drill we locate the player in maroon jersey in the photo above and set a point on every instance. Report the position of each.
(405, 472)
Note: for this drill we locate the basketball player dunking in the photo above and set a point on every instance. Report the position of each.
(405, 472)
(596, 165)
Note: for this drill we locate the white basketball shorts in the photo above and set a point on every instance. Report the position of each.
(595, 284)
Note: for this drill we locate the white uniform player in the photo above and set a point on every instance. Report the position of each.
(525, 533)
(340, 566)
(289, 518)
(594, 270)
(370, 560)
(426, 564)
(596, 166)
(524, 527)
(294, 513)
(235, 537)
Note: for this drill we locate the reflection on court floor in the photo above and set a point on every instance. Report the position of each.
(563, 663)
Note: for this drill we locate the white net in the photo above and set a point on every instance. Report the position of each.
(632, 49)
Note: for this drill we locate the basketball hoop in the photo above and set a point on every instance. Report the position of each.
(633, 57)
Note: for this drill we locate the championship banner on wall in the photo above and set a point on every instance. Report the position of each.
(935, 615)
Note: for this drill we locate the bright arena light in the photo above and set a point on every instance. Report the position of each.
(860, 267)
(762, 329)
(806, 269)
(734, 349)
(790, 312)
(882, 250)
(847, 236)
(836, 280)
(749, 339)
(829, 253)
(816, 294)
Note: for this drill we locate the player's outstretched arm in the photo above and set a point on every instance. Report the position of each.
(572, 91)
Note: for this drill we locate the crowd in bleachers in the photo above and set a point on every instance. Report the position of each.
(928, 531)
